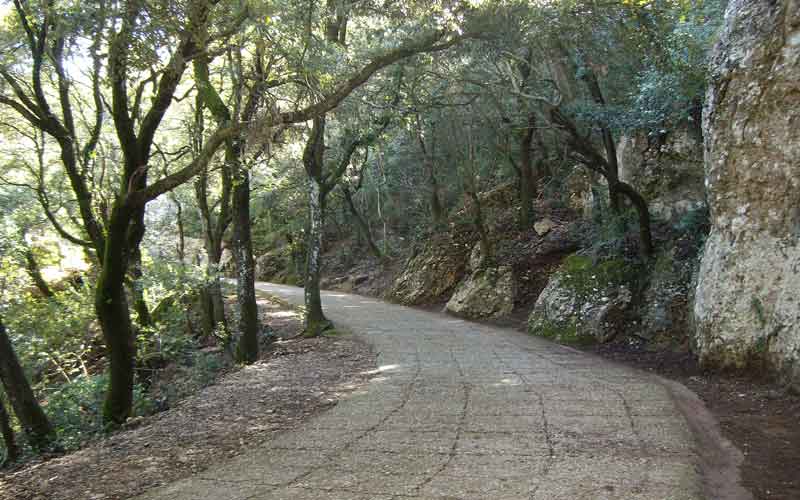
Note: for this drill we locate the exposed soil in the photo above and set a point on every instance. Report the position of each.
(294, 380)
(755, 414)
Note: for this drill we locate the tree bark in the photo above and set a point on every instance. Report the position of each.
(247, 349)
(639, 203)
(361, 224)
(316, 322)
(111, 306)
(611, 167)
(487, 251)
(31, 417)
(527, 186)
(437, 209)
(35, 272)
(12, 450)
(137, 290)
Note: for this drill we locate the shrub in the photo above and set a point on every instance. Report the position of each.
(75, 409)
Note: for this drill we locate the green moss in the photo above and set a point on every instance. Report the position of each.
(585, 278)
(563, 333)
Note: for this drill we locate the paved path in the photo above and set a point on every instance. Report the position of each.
(466, 411)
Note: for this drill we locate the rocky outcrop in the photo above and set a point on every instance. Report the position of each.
(665, 305)
(666, 167)
(486, 293)
(582, 303)
(747, 301)
(269, 265)
(432, 272)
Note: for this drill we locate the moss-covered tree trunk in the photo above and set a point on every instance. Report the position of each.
(111, 306)
(35, 273)
(247, 349)
(315, 320)
(26, 407)
(9, 440)
(136, 287)
(313, 158)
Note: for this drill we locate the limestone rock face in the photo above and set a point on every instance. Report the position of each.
(569, 315)
(486, 293)
(666, 168)
(432, 272)
(269, 265)
(747, 301)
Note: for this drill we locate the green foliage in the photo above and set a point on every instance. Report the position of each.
(53, 338)
(75, 409)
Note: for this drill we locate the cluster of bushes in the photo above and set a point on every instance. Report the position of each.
(60, 347)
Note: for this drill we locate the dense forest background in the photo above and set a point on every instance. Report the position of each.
(150, 149)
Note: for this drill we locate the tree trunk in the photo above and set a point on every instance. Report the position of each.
(137, 290)
(527, 178)
(180, 246)
(206, 312)
(212, 303)
(487, 252)
(362, 225)
(32, 267)
(437, 209)
(111, 306)
(33, 420)
(12, 450)
(612, 167)
(247, 349)
(316, 322)
(645, 235)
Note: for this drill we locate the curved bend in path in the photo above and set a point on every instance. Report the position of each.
(466, 411)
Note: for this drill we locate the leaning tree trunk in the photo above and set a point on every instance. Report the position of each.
(247, 349)
(643, 212)
(31, 417)
(362, 225)
(35, 272)
(315, 320)
(12, 450)
(111, 306)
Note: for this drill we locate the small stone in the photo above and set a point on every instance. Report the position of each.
(543, 226)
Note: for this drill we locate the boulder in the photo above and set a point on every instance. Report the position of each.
(666, 167)
(486, 293)
(747, 301)
(666, 303)
(269, 265)
(432, 272)
(580, 305)
(475, 257)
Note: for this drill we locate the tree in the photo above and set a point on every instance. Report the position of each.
(12, 450)
(32, 418)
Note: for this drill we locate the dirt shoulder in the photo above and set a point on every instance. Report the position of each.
(294, 381)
